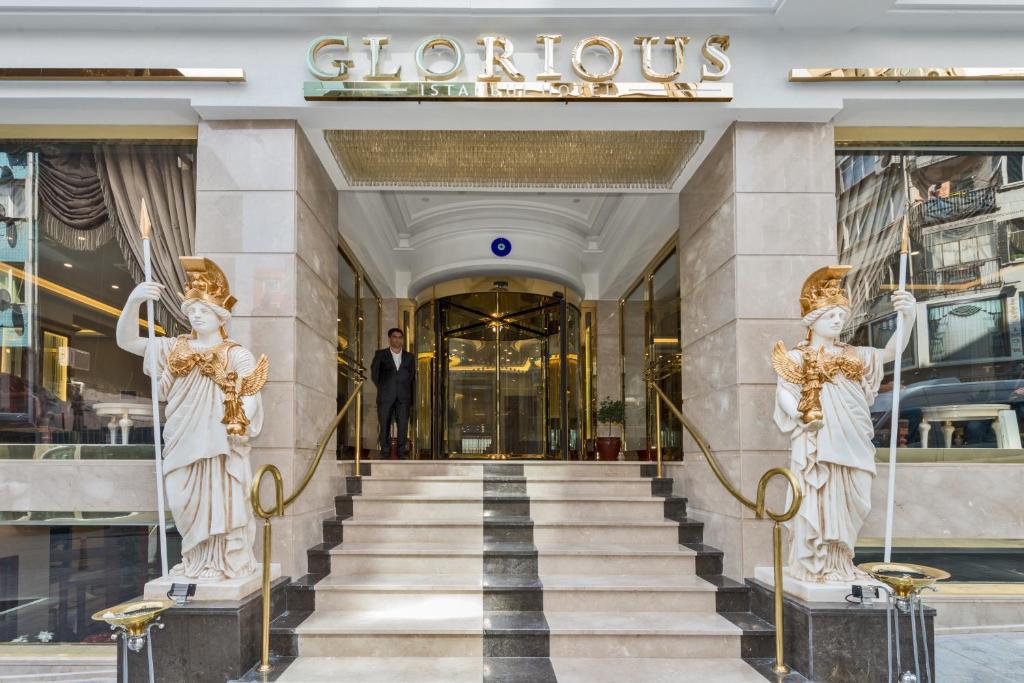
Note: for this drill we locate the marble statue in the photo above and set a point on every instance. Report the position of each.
(211, 386)
(822, 401)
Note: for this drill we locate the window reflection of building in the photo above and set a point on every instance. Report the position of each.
(965, 222)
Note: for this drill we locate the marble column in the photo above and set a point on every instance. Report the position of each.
(267, 213)
(755, 219)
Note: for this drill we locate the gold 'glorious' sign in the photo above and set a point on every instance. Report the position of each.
(501, 79)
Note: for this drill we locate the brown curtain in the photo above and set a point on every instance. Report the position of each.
(165, 176)
(73, 210)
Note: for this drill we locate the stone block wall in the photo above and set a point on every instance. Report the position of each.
(756, 218)
(267, 213)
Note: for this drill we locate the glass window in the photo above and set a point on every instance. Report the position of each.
(967, 331)
(358, 339)
(425, 355)
(67, 263)
(965, 222)
(665, 349)
(56, 572)
(651, 317)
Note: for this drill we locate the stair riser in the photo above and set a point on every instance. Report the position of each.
(468, 487)
(664, 537)
(391, 645)
(618, 564)
(417, 509)
(427, 469)
(495, 531)
(420, 533)
(407, 601)
(518, 600)
(596, 510)
(405, 564)
(644, 645)
(497, 508)
(628, 601)
(575, 470)
(510, 565)
(588, 488)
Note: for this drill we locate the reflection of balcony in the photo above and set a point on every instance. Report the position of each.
(954, 207)
(963, 277)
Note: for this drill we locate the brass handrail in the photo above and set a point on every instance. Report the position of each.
(281, 503)
(758, 505)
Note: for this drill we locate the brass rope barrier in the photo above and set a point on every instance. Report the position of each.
(281, 503)
(758, 505)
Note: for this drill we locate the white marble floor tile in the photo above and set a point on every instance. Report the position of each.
(384, 670)
(412, 582)
(426, 618)
(661, 623)
(650, 670)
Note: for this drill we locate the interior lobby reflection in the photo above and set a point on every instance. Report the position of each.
(69, 255)
(650, 315)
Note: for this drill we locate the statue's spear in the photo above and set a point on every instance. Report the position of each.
(146, 228)
(890, 503)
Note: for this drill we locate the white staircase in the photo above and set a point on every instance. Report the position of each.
(532, 571)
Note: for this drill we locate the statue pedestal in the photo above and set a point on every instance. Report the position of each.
(833, 640)
(208, 590)
(211, 639)
(809, 591)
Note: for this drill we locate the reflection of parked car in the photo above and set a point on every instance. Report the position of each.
(944, 391)
(26, 411)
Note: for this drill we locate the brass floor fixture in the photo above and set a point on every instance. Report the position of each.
(585, 159)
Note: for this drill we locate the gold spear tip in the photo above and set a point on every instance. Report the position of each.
(145, 225)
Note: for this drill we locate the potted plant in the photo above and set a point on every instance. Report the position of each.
(610, 413)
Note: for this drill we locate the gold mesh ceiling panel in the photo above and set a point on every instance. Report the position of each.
(642, 159)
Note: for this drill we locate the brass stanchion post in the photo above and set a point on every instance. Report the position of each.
(265, 644)
(359, 431)
(657, 435)
(779, 666)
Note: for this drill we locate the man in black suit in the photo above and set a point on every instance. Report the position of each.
(394, 372)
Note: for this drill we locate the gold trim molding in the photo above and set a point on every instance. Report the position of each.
(898, 73)
(924, 135)
(123, 74)
(516, 284)
(96, 132)
(603, 91)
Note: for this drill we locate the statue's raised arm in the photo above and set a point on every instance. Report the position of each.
(128, 337)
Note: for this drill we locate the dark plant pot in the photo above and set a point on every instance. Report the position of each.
(608, 447)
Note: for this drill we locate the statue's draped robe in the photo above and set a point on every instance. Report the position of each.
(206, 474)
(836, 467)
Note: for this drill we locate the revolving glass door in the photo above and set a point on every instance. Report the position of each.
(499, 386)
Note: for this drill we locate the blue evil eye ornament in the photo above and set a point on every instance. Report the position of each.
(501, 247)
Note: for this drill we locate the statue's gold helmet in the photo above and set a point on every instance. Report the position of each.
(823, 288)
(205, 281)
